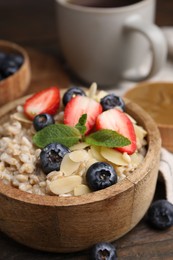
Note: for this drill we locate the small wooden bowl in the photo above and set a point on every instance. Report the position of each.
(157, 99)
(15, 85)
(68, 224)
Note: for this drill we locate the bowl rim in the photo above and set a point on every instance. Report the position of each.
(154, 143)
(16, 48)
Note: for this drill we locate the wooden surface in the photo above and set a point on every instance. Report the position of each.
(32, 24)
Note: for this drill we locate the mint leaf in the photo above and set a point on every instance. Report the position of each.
(108, 138)
(81, 124)
(59, 133)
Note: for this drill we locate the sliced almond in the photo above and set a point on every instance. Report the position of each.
(79, 146)
(136, 159)
(54, 175)
(68, 166)
(140, 132)
(79, 156)
(19, 116)
(65, 185)
(113, 156)
(81, 189)
(101, 95)
(96, 153)
(92, 90)
(90, 162)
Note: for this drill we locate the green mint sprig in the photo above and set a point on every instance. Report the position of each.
(59, 133)
(81, 124)
(69, 136)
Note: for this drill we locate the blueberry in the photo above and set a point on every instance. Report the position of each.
(51, 157)
(8, 68)
(42, 120)
(160, 214)
(103, 251)
(17, 58)
(100, 175)
(9, 64)
(3, 56)
(111, 101)
(72, 92)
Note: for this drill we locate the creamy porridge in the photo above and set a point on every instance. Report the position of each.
(20, 157)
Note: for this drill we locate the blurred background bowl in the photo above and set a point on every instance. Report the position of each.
(156, 98)
(15, 85)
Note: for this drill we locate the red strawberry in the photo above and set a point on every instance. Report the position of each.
(78, 106)
(45, 101)
(117, 120)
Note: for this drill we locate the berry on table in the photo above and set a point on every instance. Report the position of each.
(103, 251)
(71, 93)
(42, 120)
(111, 101)
(51, 157)
(100, 175)
(160, 214)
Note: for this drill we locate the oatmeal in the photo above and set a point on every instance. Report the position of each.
(20, 157)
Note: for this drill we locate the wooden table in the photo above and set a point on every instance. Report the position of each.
(32, 24)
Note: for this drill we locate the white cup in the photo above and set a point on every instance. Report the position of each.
(108, 44)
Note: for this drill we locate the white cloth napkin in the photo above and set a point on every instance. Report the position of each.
(166, 172)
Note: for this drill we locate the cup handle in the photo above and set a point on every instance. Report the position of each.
(157, 43)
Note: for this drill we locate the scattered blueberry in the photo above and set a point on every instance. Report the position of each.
(72, 92)
(100, 175)
(9, 64)
(103, 251)
(160, 214)
(42, 120)
(51, 157)
(111, 101)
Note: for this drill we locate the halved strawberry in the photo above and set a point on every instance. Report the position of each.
(45, 101)
(78, 106)
(117, 120)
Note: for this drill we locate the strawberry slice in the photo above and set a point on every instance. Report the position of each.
(78, 106)
(45, 101)
(117, 120)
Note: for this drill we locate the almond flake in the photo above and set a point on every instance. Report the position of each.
(79, 156)
(81, 189)
(92, 90)
(140, 132)
(65, 185)
(90, 162)
(19, 116)
(79, 146)
(95, 150)
(68, 166)
(113, 156)
(101, 95)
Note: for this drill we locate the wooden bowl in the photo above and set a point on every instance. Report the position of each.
(68, 224)
(157, 99)
(15, 85)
